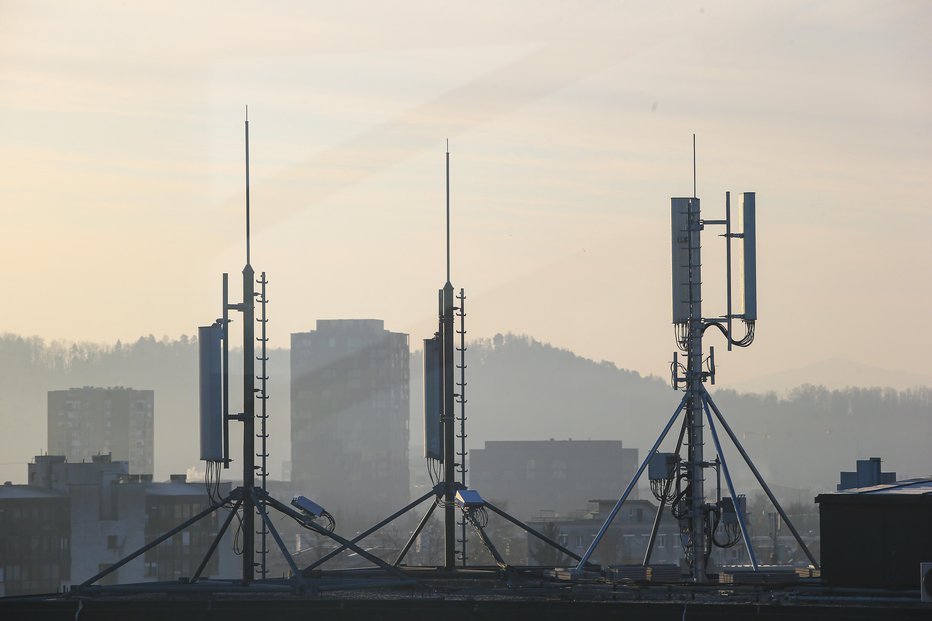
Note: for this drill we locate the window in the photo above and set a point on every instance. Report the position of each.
(112, 542)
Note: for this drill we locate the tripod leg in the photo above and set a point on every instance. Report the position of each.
(731, 487)
(362, 536)
(417, 531)
(531, 531)
(634, 480)
(283, 508)
(216, 541)
(663, 501)
(156, 541)
(760, 480)
(487, 542)
(298, 576)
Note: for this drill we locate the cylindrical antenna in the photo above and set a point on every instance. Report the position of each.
(247, 185)
(694, 165)
(448, 210)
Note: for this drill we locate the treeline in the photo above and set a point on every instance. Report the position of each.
(30, 367)
(517, 388)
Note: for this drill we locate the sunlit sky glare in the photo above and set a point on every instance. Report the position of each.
(570, 127)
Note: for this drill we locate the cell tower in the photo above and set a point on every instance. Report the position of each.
(443, 392)
(675, 480)
(249, 501)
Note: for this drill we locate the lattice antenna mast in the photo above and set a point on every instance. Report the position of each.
(461, 400)
(263, 416)
(699, 520)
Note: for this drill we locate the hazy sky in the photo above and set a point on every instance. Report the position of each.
(570, 127)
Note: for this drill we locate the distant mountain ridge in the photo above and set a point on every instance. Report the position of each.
(834, 374)
(517, 388)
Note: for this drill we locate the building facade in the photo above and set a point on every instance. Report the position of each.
(877, 536)
(83, 422)
(556, 477)
(73, 520)
(349, 416)
(35, 550)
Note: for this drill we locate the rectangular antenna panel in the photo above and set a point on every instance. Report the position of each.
(747, 259)
(433, 399)
(680, 237)
(211, 389)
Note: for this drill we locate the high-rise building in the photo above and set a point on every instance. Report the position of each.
(83, 422)
(349, 416)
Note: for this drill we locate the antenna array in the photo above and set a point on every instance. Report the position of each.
(679, 482)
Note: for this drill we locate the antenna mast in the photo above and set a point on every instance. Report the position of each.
(447, 332)
(448, 210)
(249, 398)
(694, 166)
(699, 520)
(247, 185)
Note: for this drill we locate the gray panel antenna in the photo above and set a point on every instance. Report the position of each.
(433, 399)
(211, 392)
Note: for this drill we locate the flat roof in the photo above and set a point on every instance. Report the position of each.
(919, 489)
(18, 492)
(908, 486)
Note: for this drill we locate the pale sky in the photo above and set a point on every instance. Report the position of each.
(570, 124)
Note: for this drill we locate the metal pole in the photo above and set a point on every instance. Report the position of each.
(731, 490)
(488, 542)
(634, 480)
(249, 399)
(417, 531)
(761, 481)
(663, 501)
(695, 497)
(283, 508)
(216, 541)
(226, 370)
(365, 534)
(728, 265)
(448, 416)
(249, 427)
(247, 185)
(532, 531)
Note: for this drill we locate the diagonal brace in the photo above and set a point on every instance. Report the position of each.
(365, 534)
(158, 540)
(760, 479)
(634, 480)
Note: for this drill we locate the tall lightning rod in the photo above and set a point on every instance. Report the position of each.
(247, 185)
(694, 166)
(448, 210)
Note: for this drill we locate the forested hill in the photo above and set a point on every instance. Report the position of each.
(518, 388)
(30, 367)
